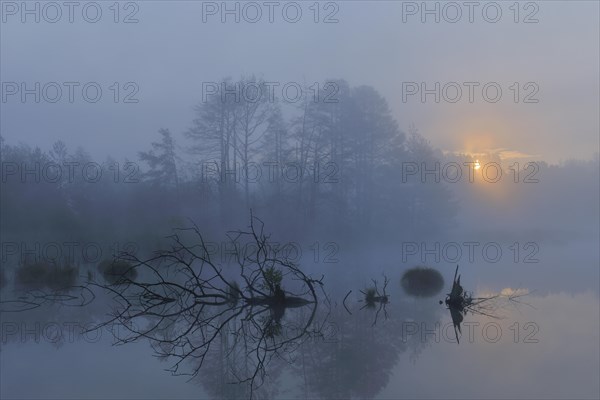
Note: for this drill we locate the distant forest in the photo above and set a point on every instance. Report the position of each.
(327, 165)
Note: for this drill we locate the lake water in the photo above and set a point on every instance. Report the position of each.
(544, 346)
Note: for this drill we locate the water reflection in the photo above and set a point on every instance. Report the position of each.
(264, 329)
(259, 330)
(460, 302)
(195, 313)
(375, 300)
(272, 332)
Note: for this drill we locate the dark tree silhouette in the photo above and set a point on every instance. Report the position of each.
(162, 161)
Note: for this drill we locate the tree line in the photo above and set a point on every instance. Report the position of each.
(322, 164)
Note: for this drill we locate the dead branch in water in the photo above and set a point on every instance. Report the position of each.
(184, 302)
(374, 297)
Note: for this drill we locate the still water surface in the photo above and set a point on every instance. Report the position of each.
(545, 346)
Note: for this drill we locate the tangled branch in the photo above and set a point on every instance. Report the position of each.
(183, 302)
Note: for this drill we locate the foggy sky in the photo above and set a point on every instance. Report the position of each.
(171, 51)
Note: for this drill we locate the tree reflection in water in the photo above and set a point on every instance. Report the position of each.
(260, 328)
(460, 302)
(377, 300)
(266, 324)
(188, 307)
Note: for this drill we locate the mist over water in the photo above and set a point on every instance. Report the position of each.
(288, 200)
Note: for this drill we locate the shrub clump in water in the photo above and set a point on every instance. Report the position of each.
(44, 274)
(117, 272)
(422, 282)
